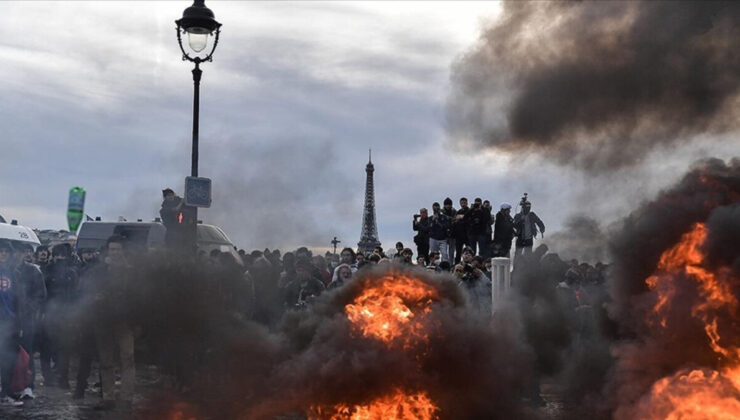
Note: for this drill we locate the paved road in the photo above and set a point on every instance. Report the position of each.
(53, 403)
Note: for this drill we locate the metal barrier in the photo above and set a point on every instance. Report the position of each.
(501, 280)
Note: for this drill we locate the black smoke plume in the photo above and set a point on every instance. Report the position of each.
(598, 85)
(582, 238)
(227, 366)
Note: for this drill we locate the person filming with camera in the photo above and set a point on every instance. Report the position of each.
(421, 225)
(475, 285)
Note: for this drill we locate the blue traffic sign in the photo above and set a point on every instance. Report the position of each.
(198, 191)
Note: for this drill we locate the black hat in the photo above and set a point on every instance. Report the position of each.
(167, 191)
(447, 201)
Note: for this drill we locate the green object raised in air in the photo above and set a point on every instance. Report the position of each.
(75, 208)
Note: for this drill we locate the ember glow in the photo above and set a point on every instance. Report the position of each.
(393, 309)
(698, 393)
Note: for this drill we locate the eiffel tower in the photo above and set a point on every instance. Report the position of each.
(369, 235)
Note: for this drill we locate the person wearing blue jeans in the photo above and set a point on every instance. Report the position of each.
(439, 227)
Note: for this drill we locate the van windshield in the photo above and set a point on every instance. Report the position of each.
(93, 235)
(212, 234)
(136, 236)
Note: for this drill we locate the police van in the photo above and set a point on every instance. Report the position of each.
(17, 234)
(149, 236)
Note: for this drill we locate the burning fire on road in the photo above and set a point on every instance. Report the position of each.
(393, 309)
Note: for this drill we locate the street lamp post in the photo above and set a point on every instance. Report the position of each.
(198, 22)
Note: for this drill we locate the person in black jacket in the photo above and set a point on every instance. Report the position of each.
(33, 289)
(109, 297)
(526, 225)
(421, 225)
(503, 232)
(451, 214)
(478, 222)
(439, 230)
(11, 303)
(62, 287)
(460, 229)
(86, 347)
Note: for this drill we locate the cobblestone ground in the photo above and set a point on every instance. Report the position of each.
(57, 404)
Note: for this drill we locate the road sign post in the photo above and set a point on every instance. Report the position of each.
(197, 191)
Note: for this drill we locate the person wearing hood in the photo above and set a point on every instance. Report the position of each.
(62, 287)
(344, 275)
(11, 303)
(305, 287)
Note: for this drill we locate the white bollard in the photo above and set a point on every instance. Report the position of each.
(500, 279)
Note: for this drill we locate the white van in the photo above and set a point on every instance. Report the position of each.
(17, 234)
(149, 236)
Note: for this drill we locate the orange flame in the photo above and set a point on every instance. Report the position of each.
(392, 309)
(706, 393)
(398, 405)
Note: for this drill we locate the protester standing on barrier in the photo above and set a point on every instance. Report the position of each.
(451, 213)
(460, 229)
(478, 223)
(421, 225)
(439, 228)
(503, 232)
(525, 227)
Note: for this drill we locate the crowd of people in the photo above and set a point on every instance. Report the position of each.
(448, 230)
(64, 304)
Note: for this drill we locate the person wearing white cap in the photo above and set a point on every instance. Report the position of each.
(526, 224)
(503, 232)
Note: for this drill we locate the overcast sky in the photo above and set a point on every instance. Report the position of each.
(95, 94)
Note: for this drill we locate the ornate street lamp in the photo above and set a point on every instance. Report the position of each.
(199, 23)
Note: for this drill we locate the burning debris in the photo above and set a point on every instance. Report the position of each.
(676, 288)
(702, 392)
(393, 310)
(395, 344)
